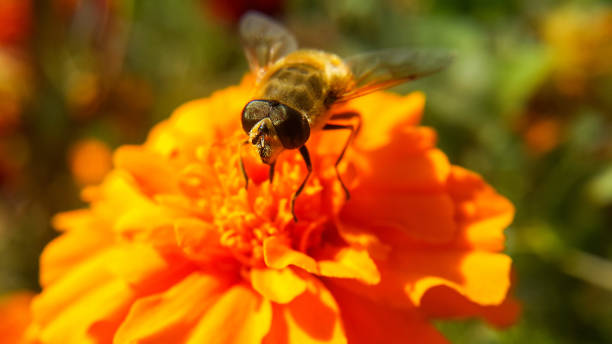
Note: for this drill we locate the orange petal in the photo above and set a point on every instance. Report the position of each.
(404, 184)
(75, 284)
(380, 122)
(15, 316)
(311, 318)
(75, 219)
(350, 263)
(278, 255)
(72, 324)
(167, 317)
(482, 277)
(144, 220)
(280, 286)
(404, 167)
(126, 208)
(133, 265)
(444, 302)
(199, 240)
(196, 123)
(240, 316)
(69, 250)
(481, 212)
(140, 162)
(413, 217)
(339, 263)
(368, 322)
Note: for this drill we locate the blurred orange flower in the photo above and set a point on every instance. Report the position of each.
(173, 249)
(16, 19)
(90, 160)
(15, 316)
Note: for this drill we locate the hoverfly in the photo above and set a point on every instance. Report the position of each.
(295, 89)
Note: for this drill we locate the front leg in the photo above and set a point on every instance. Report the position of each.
(306, 157)
(354, 130)
(244, 172)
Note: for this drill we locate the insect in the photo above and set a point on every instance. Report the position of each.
(295, 90)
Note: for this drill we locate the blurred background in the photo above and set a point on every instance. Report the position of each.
(527, 104)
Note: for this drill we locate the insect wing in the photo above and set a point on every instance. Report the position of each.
(265, 41)
(382, 69)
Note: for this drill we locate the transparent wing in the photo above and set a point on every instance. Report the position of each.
(377, 70)
(264, 40)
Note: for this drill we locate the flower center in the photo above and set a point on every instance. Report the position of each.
(242, 218)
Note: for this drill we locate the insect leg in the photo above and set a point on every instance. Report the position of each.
(271, 172)
(348, 116)
(306, 157)
(354, 130)
(244, 173)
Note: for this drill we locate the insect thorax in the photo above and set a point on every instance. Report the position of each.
(300, 86)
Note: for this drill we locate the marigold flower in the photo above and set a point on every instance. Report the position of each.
(173, 249)
(15, 316)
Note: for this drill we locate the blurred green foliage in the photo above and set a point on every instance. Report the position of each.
(527, 103)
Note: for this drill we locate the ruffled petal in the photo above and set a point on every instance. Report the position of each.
(414, 218)
(482, 214)
(69, 250)
(280, 286)
(311, 318)
(169, 316)
(368, 322)
(444, 302)
(381, 122)
(278, 255)
(240, 316)
(137, 268)
(403, 183)
(73, 322)
(482, 277)
(351, 263)
(202, 121)
(344, 262)
(139, 162)
(199, 240)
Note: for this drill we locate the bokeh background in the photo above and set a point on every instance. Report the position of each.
(527, 104)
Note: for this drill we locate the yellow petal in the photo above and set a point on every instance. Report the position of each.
(482, 277)
(280, 286)
(69, 250)
(239, 317)
(351, 263)
(311, 318)
(168, 316)
(341, 263)
(140, 162)
(278, 255)
(74, 322)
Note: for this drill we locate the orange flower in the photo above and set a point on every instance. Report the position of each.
(16, 19)
(15, 316)
(173, 249)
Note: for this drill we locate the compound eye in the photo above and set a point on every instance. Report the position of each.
(253, 112)
(291, 126)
